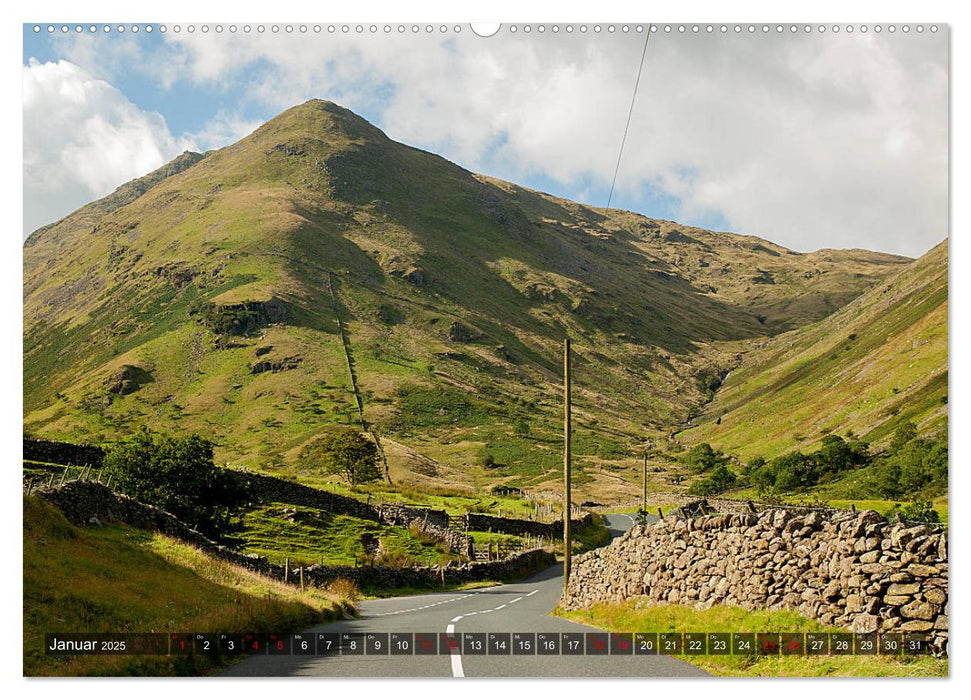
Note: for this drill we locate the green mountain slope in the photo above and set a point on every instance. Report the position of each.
(210, 302)
(877, 362)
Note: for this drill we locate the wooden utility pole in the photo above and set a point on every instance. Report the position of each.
(644, 494)
(567, 458)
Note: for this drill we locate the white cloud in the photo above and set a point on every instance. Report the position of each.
(808, 140)
(224, 129)
(83, 138)
(811, 141)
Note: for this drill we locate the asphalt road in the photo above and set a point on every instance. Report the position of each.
(522, 607)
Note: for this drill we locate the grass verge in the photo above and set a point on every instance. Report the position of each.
(118, 579)
(628, 617)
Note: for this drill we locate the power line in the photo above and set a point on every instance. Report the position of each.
(630, 112)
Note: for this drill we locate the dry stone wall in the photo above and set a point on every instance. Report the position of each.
(853, 570)
(64, 453)
(434, 522)
(91, 503)
(481, 522)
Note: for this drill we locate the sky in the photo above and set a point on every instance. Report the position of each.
(809, 139)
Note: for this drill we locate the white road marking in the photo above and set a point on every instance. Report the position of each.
(456, 655)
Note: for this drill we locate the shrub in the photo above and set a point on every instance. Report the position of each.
(177, 475)
(702, 458)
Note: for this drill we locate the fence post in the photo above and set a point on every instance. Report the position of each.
(301, 578)
(286, 570)
(660, 514)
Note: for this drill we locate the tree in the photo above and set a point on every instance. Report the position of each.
(720, 479)
(702, 457)
(177, 475)
(346, 452)
(904, 433)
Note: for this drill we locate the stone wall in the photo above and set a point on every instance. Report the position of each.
(64, 453)
(481, 522)
(853, 570)
(90, 503)
(263, 489)
(385, 577)
(434, 522)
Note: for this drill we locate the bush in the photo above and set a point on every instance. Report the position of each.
(720, 479)
(346, 452)
(702, 458)
(486, 459)
(177, 475)
(917, 511)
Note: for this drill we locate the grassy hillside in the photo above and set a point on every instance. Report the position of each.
(876, 363)
(118, 579)
(210, 303)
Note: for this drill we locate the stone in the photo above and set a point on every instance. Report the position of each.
(920, 610)
(936, 596)
(865, 623)
(832, 591)
(908, 589)
(897, 600)
(870, 557)
(923, 571)
(916, 626)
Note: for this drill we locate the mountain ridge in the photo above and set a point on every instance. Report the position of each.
(445, 279)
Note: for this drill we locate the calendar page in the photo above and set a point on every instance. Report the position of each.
(448, 349)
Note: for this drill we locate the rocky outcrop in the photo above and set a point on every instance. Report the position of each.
(847, 569)
(128, 379)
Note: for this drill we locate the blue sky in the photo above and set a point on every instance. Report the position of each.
(807, 140)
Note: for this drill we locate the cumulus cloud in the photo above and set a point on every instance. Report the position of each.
(83, 138)
(807, 140)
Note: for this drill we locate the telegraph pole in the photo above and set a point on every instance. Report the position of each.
(644, 495)
(567, 540)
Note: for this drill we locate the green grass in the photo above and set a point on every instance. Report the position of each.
(653, 307)
(591, 537)
(871, 366)
(316, 537)
(118, 579)
(628, 617)
(452, 500)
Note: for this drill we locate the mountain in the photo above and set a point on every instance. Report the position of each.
(228, 293)
(879, 361)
